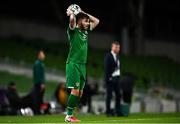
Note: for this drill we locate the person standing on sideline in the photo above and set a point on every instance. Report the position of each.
(112, 78)
(39, 81)
(77, 31)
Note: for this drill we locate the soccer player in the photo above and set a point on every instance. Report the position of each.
(77, 32)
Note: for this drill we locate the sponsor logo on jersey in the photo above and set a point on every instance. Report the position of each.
(77, 84)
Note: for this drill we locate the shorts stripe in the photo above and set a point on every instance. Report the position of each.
(71, 87)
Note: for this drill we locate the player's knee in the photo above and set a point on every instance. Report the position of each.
(75, 92)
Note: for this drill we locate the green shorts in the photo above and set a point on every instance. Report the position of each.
(75, 75)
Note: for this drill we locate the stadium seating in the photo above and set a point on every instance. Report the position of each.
(147, 69)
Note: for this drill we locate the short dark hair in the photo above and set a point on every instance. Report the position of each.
(81, 16)
(11, 84)
(115, 42)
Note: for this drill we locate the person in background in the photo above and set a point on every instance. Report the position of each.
(127, 85)
(17, 102)
(112, 78)
(39, 81)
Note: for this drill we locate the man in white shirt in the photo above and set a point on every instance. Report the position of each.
(112, 76)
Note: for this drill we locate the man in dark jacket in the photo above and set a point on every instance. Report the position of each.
(112, 76)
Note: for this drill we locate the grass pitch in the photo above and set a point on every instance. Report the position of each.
(59, 119)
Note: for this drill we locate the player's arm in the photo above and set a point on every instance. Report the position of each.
(93, 21)
(72, 19)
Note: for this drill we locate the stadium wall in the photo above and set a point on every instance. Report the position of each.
(162, 48)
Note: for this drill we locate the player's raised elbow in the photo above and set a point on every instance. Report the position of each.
(97, 21)
(94, 23)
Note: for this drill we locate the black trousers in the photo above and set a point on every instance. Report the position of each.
(38, 94)
(113, 86)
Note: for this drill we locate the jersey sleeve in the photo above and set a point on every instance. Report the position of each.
(70, 33)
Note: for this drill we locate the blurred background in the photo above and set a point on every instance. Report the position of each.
(148, 31)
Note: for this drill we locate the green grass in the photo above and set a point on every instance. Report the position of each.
(132, 118)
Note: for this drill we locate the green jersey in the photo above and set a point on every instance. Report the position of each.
(78, 45)
(39, 72)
